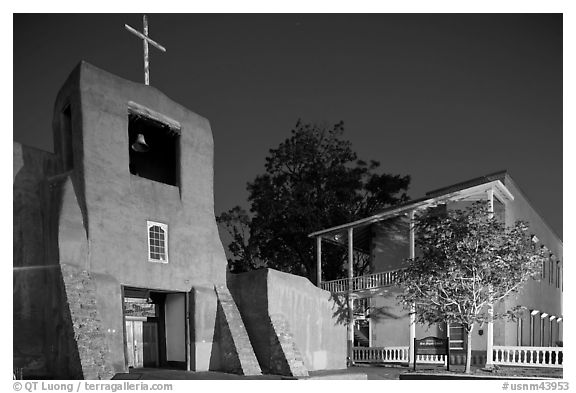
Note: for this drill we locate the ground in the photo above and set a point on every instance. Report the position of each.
(370, 372)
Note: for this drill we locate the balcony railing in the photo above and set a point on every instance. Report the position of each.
(370, 281)
(528, 356)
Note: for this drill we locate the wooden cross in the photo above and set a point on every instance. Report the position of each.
(146, 40)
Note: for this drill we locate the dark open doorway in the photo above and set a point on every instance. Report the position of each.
(154, 328)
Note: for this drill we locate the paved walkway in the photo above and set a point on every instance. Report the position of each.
(370, 372)
(173, 374)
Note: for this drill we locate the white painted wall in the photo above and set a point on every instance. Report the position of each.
(175, 328)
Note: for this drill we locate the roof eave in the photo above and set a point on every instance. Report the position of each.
(500, 190)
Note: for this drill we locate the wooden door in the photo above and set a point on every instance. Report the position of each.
(134, 343)
(456, 336)
(150, 344)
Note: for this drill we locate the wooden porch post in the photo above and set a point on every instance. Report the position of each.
(533, 314)
(411, 255)
(187, 338)
(542, 327)
(350, 300)
(318, 261)
(551, 340)
(490, 325)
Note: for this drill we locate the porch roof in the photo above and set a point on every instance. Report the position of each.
(474, 189)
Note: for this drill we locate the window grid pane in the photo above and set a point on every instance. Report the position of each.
(157, 243)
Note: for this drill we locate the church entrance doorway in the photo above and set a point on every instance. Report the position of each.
(155, 328)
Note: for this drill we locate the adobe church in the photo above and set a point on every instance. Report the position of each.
(117, 259)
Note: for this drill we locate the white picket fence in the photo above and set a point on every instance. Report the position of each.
(528, 356)
(392, 355)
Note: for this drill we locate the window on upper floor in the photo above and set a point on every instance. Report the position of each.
(157, 242)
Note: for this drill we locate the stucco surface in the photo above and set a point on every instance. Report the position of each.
(93, 216)
(205, 352)
(118, 204)
(313, 316)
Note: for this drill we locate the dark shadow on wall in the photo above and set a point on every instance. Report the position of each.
(376, 313)
(389, 244)
(43, 341)
(43, 334)
(340, 307)
(251, 296)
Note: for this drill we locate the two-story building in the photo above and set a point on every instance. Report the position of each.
(383, 328)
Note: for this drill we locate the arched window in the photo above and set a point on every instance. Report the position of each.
(157, 242)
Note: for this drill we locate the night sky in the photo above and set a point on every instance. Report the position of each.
(443, 98)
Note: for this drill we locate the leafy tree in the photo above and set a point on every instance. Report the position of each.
(467, 261)
(312, 180)
(236, 222)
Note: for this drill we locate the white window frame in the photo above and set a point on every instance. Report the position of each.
(163, 227)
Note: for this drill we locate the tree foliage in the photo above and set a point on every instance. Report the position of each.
(312, 180)
(467, 260)
(236, 222)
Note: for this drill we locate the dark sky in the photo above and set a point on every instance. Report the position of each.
(443, 98)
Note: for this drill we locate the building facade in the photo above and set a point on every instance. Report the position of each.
(118, 263)
(383, 328)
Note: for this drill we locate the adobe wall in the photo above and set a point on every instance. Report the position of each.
(313, 317)
(35, 279)
(87, 226)
(312, 313)
(116, 204)
(52, 299)
(250, 292)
